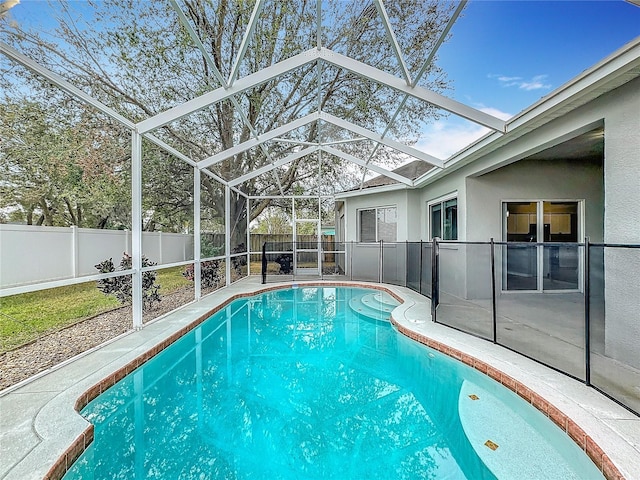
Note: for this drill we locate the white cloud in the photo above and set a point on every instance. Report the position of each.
(442, 142)
(495, 112)
(447, 137)
(535, 83)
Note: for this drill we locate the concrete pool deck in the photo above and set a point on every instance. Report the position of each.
(39, 423)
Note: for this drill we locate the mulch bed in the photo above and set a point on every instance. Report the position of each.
(51, 349)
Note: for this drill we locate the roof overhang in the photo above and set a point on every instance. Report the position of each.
(615, 70)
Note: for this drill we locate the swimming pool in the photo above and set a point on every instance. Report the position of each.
(296, 383)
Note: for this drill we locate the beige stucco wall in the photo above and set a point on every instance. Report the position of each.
(534, 180)
(622, 223)
(622, 164)
(610, 190)
(448, 186)
(396, 198)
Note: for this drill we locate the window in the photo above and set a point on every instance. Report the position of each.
(443, 219)
(378, 224)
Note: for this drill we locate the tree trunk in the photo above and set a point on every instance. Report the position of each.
(102, 223)
(74, 220)
(47, 213)
(30, 215)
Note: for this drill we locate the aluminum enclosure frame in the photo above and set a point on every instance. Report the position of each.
(319, 55)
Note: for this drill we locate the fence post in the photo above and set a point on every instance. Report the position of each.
(406, 262)
(587, 315)
(380, 264)
(264, 263)
(420, 270)
(351, 261)
(493, 292)
(434, 278)
(321, 256)
(74, 251)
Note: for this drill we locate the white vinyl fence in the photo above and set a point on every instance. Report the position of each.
(32, 254)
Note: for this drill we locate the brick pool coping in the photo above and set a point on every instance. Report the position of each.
(571, 428)
(563, 421)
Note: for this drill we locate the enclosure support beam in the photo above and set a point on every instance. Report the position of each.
(362, 163)
(267, 168)
(414, 82)
(383, 78)
(61, 83)
(218, 179)
(391, 36)
(253, 21)
(439, 42)
(196, 234)
(319, 24)
(71, 89)
(248, 204)
(216, 73)
(219, 94)
(253, 142)
(227, 234)
(169, 149)
(136, 227)
(401, 147)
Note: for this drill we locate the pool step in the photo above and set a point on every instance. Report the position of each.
(500, 427)
(374, 306)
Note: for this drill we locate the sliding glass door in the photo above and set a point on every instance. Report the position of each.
(542, 252)
(522, 256)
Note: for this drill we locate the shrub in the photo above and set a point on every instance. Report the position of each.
(121, 286)
(211, 274)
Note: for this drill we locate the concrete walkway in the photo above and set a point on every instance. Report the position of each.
(38, 421)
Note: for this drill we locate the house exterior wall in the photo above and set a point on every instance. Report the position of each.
(622, 222)
(622, 163)
(414, 208)
(534, 180)
(526, 180)
(610, 190)
(397, 198)
(451, 185)
(365, 258)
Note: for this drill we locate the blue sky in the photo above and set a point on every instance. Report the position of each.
(503, 56)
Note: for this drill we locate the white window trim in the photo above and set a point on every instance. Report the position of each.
(435, 201)
(376, 208)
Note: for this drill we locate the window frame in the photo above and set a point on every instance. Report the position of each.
(441, 201)
(377, 231)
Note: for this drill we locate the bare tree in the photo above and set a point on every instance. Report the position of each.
(137, 58)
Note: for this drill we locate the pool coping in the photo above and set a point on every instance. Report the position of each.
(587, 423)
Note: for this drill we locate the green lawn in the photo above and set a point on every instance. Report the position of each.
(171, 279)
(27, 316)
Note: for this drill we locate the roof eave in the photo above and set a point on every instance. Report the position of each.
(371, 190)
(593, 82)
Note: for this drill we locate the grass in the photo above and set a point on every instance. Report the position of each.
(27, 316)
(171, 279)
(273, 268)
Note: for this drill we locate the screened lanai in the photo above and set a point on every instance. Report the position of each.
(211, 116)
(159, 158)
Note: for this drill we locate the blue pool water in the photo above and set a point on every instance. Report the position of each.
(295, 384)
